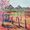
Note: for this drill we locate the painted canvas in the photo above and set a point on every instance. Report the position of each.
(14, 14)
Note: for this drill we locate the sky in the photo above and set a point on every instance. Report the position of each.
(15, 3)
(22, 3)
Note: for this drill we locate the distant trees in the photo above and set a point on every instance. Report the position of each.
(3, 4)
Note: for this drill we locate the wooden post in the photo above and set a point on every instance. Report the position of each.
(25, 22)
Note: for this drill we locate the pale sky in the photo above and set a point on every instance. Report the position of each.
(15, 3)
(23, 3)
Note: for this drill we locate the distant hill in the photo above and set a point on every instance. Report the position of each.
(9, 7)
(18, 7)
